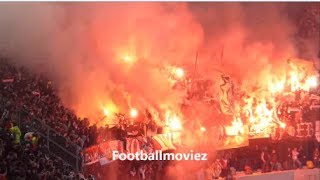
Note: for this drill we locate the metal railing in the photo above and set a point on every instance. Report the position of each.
(56, 143)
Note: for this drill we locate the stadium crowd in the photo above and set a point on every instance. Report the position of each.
(30, 158)
(27, 99)
(35, 96)
(24, 153)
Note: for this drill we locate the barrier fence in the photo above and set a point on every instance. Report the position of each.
(55, 142)
(300, 174)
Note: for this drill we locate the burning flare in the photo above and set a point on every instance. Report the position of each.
(133, 113)
(173, 121)
(261, 107)
(179, 73)
(312, 81)
(106, 112)
(236, 128)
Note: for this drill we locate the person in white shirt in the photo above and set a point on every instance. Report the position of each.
(295, 159)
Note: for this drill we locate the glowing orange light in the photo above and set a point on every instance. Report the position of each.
(280, 86)
(312, 81)
(252, 119)
(175, 124)
(203, 129)
(173, 121)
(106, 112)
(179, 73)
(282, 125)
(133, 113)
(237, 128)
(109, 108)
(277, 87)
(127, 58)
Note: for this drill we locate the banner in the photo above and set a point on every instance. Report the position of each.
(223, 141)
(106, 148)
(231, 142)
(304, 130)
(102, 152)
(300, 131)
(226, 95)
(91, 155)
(258, 132)
(7, 80)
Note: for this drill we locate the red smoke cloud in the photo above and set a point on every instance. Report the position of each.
(112, 54)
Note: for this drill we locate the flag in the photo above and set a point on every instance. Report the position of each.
(226, 95)
(7, 80)
(162, 142)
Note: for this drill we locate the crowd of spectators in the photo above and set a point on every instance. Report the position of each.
(28, 103)
(273, 157)
(33, 95)
(25, 97)
(309, 23)
(307, 19)
(225, 164)
(29, 158)
(262, 159)
(35, 101)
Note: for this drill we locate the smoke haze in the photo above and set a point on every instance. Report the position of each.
(82, 46)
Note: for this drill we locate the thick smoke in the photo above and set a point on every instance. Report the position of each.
(252, 38)
(82, 46)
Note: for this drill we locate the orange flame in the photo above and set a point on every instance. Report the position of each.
(312, 81)
(174, 73)
(173, 121)
(237, 128)
(179, 72)
(109, 109)
(133, 113)
(261, 108)
(106, 112)
(127, 58)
